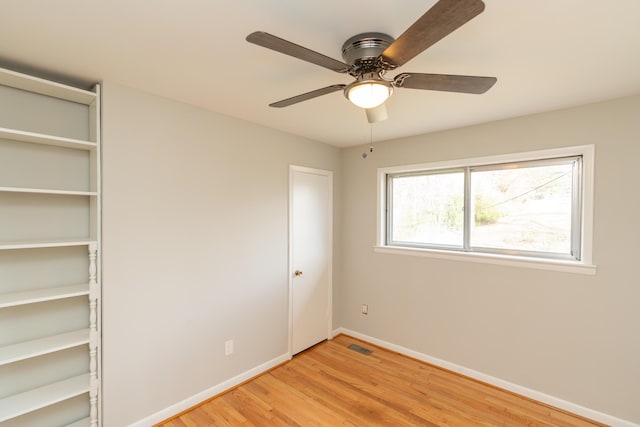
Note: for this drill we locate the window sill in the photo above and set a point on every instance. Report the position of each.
(511, 261)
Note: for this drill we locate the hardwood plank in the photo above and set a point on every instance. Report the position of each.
(369, 397)
(223, 414)
(331, 385)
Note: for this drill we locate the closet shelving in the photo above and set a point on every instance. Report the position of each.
(47, 215)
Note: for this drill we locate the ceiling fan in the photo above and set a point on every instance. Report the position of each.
(368, 57)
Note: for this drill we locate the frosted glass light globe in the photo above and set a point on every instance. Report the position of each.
(368, 94)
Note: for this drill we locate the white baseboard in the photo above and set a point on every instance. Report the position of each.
(506, 385)
(209, 393)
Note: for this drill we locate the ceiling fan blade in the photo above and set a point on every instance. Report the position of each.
(442, 19)
(306, 96)
(445, 82)
(283, 46)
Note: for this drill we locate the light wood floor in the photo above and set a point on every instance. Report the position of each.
(331, 385)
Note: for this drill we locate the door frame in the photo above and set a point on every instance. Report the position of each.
(329, 174)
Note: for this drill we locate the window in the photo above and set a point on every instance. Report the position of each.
(532, 206)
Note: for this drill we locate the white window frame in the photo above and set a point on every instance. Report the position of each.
(583, 266)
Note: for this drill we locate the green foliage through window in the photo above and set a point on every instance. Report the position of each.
(527, 207)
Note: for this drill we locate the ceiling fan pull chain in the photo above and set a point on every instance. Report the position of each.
(365, 154)
(371, 137)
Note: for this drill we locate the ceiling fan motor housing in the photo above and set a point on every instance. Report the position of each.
(361, 51)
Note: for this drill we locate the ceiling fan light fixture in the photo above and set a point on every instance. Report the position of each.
(368, 93)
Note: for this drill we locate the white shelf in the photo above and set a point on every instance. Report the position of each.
(85, 422)
(23, 403)
(40, 138)
(46, 191)
(45, 244)
(74, 202)
(29, 349)
(40, 295)
(45, 87)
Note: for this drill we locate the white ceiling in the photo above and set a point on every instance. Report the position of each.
(546, 54)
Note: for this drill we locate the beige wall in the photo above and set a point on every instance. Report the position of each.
(195, 253)
(195, 209)
(572, 336)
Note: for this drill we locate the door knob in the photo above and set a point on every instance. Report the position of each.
(297, 273)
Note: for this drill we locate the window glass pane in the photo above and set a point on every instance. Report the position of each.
(428, 209)
(522, 207)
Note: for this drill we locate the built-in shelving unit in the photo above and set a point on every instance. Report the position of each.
(32, 400)
(45, 191)
(46, 87)
(44, 244)
(28, 349)
(49, 288)
(38, 138)
(41, 295)
(85, 422)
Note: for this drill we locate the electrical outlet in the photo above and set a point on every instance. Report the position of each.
(365, 309)
(228, 347)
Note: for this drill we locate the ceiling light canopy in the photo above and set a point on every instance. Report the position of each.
(368, 92)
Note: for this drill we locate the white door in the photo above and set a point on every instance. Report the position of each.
(310, 252)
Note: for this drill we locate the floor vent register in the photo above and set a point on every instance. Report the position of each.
(359, 349)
